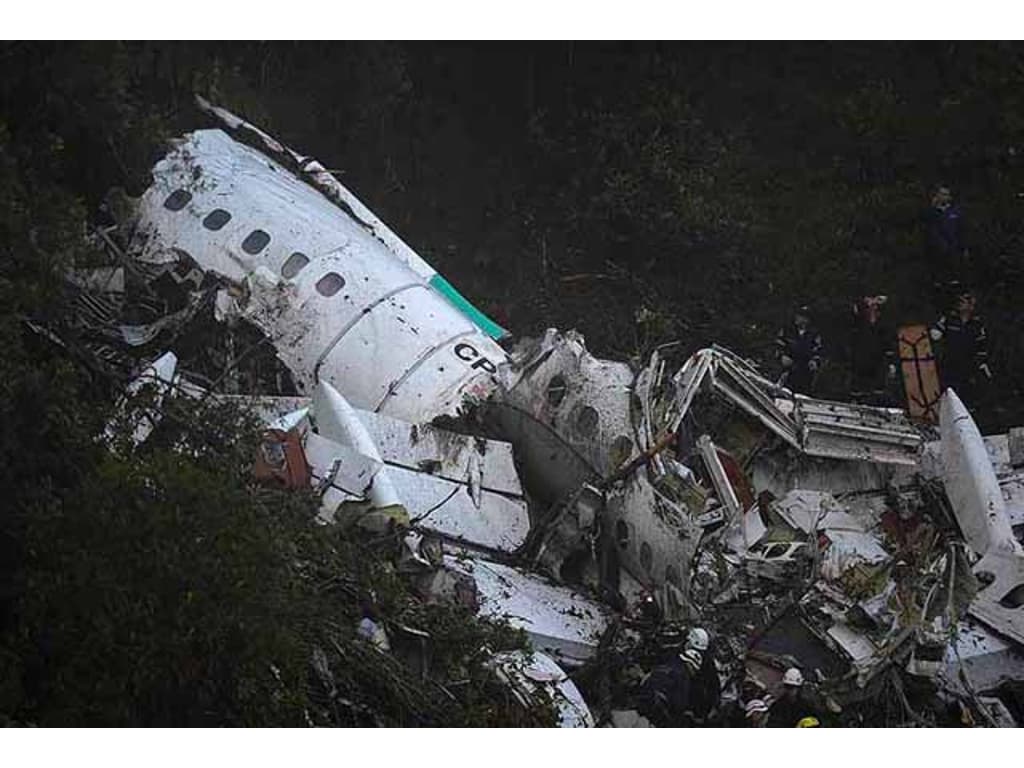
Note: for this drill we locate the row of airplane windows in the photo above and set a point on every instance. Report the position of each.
(328, 285)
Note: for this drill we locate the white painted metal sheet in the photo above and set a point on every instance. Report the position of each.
(560, 622)
(970, 481)
(538, 670)
(499, 522)
(351, 472)
(385, 338)
(859, 648)
(336, 420)
(446, 454)
(420, 447)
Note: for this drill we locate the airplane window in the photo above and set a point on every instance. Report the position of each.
(622, 534)
(216, 219)
(255, 242)
(330, 284)
(587, 421)
(1014, 598)
(556, 390)
(646, 556)
(295, 264)
(177, 200)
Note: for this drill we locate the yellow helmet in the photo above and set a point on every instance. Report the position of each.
(808, 722)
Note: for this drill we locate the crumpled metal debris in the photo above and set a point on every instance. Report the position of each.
(595, 504)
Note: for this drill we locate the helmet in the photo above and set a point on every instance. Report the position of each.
(793, 677)
(755, 706)
(808, 722)
(691, 658)
(697, 639)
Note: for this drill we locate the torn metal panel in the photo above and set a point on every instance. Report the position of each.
(492, 520)
(422, 447)
(846, 431)
(746, 532)
(465, 509)
(560, 622)
(848, 549)
(549, 467)
(529, 674)
(723, 488)
(688, 381)
(453, 456)
(970, 481)
(816, 427)
(326, 290)
(984, 658)
(739, 382)
(655, 537)
(160, 377)
(583, 400)
(779, 471)
(570, 538)
(855, 644)
(1000, 601)
(336, 420)
(810, 511)
(340, 471)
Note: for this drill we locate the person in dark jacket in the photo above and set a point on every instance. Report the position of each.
(798, 349)
(945, 245)
(963, 356)
(872, 353)
(667, 695)
(707, 685)
(792, 706)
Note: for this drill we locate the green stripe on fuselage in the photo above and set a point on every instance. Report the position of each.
(482, 321)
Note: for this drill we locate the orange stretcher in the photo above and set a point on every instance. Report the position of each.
(920, 376)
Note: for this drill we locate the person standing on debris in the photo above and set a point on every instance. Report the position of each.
(707, 686)
(666, 694)
(798, 348)
(872, 353)
(792, 706)
(963, 358)
(945, 245)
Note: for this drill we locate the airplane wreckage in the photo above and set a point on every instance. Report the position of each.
(589, 502)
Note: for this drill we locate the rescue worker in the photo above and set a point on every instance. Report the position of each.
(798, 348)
(666, 695)
(945, 246)
(872, 353)
(963, 358)
(708, 687)
(792, 706)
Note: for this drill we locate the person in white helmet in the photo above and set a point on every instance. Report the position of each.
(707, 686)
(792, 706)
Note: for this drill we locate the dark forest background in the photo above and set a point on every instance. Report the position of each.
(640, 193)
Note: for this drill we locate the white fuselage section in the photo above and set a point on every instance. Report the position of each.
(338, 303)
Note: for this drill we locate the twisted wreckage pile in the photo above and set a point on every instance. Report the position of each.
(588, 502)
